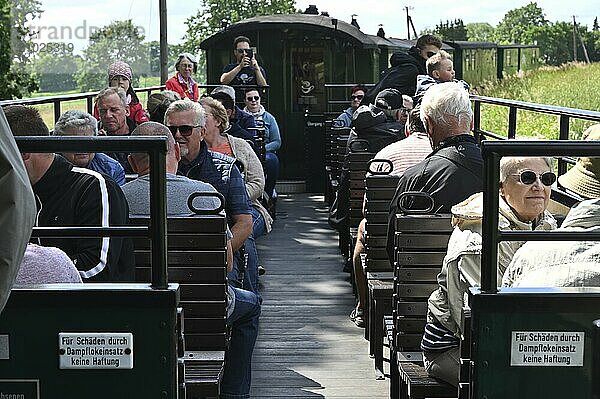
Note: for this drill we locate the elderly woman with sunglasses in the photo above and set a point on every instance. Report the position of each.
(524, 193)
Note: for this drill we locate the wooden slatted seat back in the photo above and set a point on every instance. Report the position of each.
(196, 257)
(420, 243)
(358, 163)
(379, 191)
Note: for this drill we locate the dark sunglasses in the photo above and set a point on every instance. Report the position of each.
(243, 50)
(359, 97)
(184, 130)
(430, 54)
(529, 177)
(255, 98)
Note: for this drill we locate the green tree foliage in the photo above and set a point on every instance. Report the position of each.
(15, 47)
(119, 41)
(55, 68)
(209, 17)
(595, 27)
(516, 25)
(451, 30)
(555, 41)
(480, 32)
(22, 14)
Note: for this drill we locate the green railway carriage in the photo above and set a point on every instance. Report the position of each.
(301, 53)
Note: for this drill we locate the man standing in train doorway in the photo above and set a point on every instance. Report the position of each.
(245, 71)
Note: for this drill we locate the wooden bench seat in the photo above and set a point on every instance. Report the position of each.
(196, 258)
(417, 384)
(379, 190)
(420, 247)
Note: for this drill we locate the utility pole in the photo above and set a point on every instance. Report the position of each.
(164, 51)
(585, 53)
(408, 21)
(574, 40)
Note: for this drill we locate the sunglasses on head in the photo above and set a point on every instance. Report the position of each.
(529, 177)
(184, 130)
(253, 98)
(357, 97)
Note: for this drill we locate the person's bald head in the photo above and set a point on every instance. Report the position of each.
(140, 162)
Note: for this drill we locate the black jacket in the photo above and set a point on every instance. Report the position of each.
(72, 196)
(370, 125)
(451, 173)
(402, 75)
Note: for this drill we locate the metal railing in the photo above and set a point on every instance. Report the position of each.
(56, 101)
(564, 114)
(156, 147)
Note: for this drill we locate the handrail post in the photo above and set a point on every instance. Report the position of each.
(90, 104)
(158, 210)
(477, 120)
(489, 232)
(512, 122)
(563, 135)
(56, 110)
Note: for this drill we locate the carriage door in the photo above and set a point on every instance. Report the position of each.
(307, 95)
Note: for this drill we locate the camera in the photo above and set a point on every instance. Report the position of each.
(249, 53)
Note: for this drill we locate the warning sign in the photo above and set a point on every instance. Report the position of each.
(95, 350)
(547, 348)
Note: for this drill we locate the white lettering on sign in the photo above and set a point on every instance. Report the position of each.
(547, 349)
(95, 350)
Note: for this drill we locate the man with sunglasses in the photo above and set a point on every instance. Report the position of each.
(245, 71)
(356, 95)
(186, 120)
(402, 75)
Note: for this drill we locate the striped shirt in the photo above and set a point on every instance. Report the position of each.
(437, 338)
(405, 153)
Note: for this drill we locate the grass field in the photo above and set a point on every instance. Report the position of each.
(572, 85)
(47, 110)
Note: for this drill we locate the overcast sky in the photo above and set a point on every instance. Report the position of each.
(70, 20)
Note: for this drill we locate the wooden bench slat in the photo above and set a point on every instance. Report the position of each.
(410, 258)
(185, 258)
(412, 274)
(206, 274)
(204, 224)
(179, 241)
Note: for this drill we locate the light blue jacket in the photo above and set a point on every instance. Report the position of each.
(272, 135)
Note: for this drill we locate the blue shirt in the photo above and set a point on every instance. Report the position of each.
(104, 164)
(230, 185)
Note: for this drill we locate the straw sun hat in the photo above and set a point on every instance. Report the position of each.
(584, 177)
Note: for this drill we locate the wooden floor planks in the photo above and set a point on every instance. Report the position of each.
(307, 346)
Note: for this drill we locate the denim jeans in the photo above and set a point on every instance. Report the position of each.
(258, 223)
(251, 271)
(271, 172)
(237, 375)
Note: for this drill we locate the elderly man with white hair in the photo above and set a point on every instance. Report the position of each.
(80, 123)
(454, 169)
